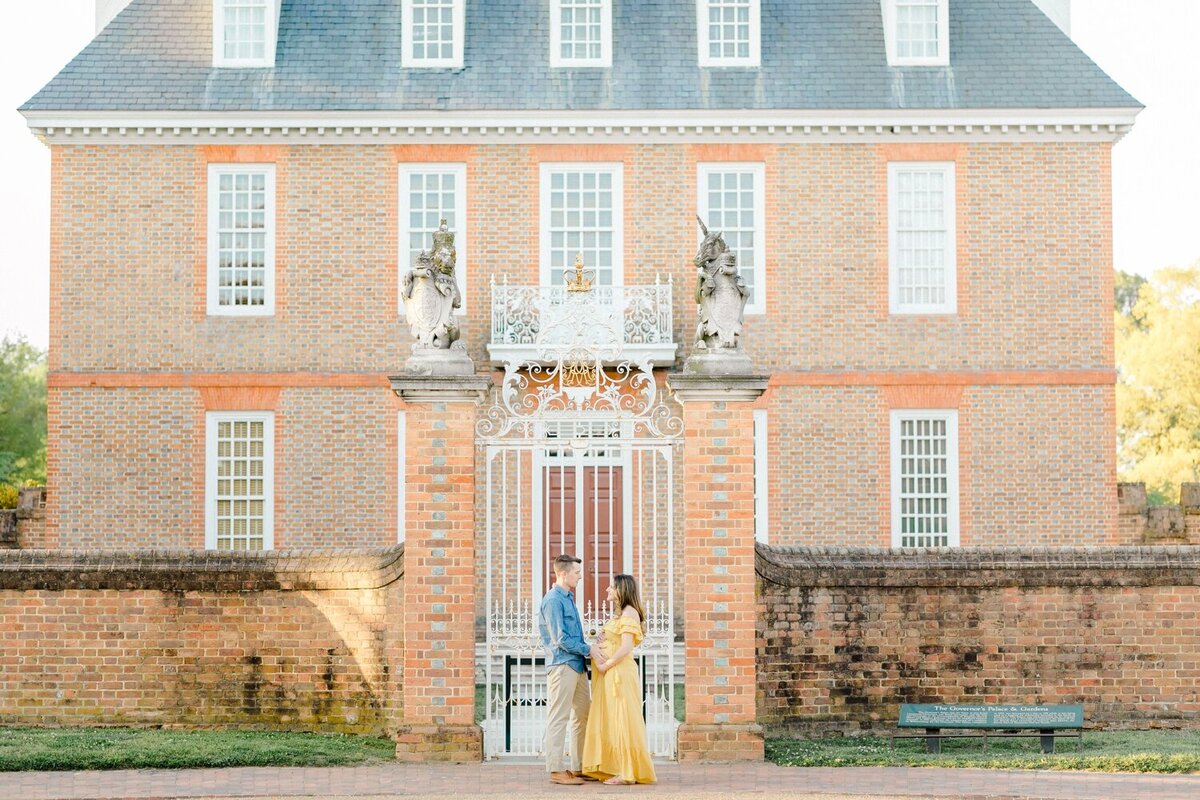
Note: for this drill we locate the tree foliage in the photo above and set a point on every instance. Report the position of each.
(1158, 385)
(22, 412)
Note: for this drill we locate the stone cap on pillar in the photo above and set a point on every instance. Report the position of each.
(717, 388)
(441, 388)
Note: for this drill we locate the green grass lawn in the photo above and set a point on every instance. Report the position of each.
(1115, 751)
(126, 748)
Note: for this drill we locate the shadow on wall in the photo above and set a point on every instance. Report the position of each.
(274, 641)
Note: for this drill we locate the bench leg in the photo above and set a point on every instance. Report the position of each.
(1048, 742)
(933, 742)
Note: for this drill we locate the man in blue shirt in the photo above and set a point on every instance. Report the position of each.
(567, 687)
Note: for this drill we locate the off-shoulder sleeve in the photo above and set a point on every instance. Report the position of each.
(626, 625)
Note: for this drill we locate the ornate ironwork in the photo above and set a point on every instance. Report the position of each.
(579, 382)
(558, 315)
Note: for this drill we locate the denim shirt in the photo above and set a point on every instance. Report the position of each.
(562, 634)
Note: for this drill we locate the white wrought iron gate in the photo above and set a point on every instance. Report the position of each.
(579, 456)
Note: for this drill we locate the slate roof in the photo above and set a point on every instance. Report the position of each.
(344, 55)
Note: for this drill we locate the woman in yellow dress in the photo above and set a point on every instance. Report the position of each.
(614, 749)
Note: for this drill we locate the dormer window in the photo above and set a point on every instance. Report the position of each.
(433, 32)
(244, 32)
(581, 33)
(917, 32)
(729, 32)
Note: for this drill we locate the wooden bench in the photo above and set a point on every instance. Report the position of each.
(1048, 721)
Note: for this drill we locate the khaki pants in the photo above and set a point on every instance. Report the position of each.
(566, 691)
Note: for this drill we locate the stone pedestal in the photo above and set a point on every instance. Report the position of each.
(718, 552)
(718, 363)
(439, 574)
(430, 361)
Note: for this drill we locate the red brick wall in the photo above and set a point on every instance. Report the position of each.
(1031, 344)
(275, 643)
(844, 637)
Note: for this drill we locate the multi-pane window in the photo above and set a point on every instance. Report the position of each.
(433, 33)
(924, 478)
(240, 481)
(430, 193)
(241, 246)
(245, 25)
(580, 33)
(244, 33)
(918, 32)
(729, 32)
(730, 200)
(581, 214)
(922, 275)
(917, 28)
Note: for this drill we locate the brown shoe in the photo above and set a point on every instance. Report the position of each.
(565, 779)
(583, 776)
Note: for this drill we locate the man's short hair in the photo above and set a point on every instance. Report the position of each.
(563, 562)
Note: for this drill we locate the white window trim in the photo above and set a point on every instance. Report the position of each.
(703, 170)
(218, 37)
(617, 170)
(267, 309)
(401, 481)
(951, 256)
(212, 418)
(890, 34)
(762, 484)
(459, 20)
(606, 39)
(951, 418)
(461, 238)
(702, 40)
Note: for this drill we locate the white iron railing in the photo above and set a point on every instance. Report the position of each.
(634, 320)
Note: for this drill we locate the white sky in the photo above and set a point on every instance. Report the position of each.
(1148, 46)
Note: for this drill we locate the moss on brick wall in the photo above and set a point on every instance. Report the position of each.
(276, 641)
(847, 635)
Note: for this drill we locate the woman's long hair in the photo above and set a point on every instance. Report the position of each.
(629, 596)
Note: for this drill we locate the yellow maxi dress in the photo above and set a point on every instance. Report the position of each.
(615, 744)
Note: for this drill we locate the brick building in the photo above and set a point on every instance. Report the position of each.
(918, 192)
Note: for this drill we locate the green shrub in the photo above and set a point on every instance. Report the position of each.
(8, 496)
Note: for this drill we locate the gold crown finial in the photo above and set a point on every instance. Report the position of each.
(582, 279)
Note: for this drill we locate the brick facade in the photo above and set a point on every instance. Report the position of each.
(845, 636)
(1030, 346)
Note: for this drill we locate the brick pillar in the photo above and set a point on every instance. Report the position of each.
(719, 583)
(439, 570)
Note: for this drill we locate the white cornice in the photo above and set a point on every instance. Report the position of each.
(335, 127)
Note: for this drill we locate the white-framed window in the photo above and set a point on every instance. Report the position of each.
(580, 33)
(432, 33)
(924, 478)
(730, 199)
(917, 32)
(241, 239)
(401, 477)
(244, 32)
(582, 210)
(761, 480)
(430, 193)
(729, 33)
(240, 480)
(922, 273)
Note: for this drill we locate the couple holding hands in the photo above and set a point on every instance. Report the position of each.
(608, 732)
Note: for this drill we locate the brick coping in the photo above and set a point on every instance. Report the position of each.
(201, 570)
(979, 567)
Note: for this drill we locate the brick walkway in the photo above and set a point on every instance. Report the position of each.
(710, 782)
